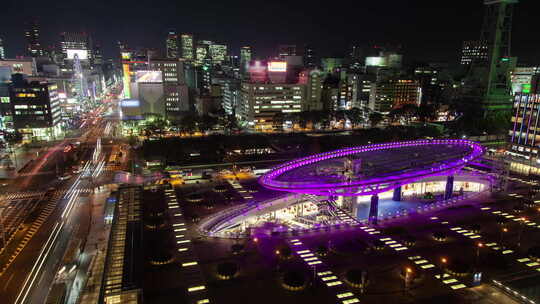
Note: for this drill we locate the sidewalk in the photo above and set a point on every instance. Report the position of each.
(88, 278)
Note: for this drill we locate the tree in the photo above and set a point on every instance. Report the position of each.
(355, 116)
(426, 112)
(409, 112)
(231, 124)
(303, 118)
(277, 120)
(189, 123)
(395, 115)
(207, 122)
(339, 116)
(375, 118)
(321, 117)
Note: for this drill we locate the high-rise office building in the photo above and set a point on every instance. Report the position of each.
(309, 57)
(286, 50)
(394, 93)
(36, 109)
(245, 58)
(474, 51)
(76, 44)
(172, 44)
(525, 80)
(313, 79)
(231, 95)
(356, 59)
(187, 45)
(2, 49)
(523, 137)
(33, 44)
(428, 77)
(98, 55)
(175, 90)
(201, 51)
(262, 103)
(218, 53)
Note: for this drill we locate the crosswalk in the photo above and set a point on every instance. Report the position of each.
(20, 195)
(32, 194)
(45, 213)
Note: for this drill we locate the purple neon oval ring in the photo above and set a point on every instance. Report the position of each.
(372, 184)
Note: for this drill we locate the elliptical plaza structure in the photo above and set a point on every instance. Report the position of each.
(343, 178)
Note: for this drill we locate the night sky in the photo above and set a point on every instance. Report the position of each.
(427, 30)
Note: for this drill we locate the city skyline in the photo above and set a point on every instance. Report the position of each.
(425, 30)
(382, 152)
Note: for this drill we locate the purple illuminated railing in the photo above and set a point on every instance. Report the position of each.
(370, 185)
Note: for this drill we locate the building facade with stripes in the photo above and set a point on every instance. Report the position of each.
(524, 135)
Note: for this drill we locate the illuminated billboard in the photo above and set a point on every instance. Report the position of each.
(82, 54)
(126, 80)
(130, 103)
(376, 61)
(257, 67)
(277, 66)
(148, 76)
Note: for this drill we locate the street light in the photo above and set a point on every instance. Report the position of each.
(408, 272)
(479, 245)
(502, 233)
(443, 264)
(523, 219)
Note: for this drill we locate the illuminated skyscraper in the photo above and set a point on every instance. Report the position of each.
(187, 46)
(174, 85)
(172, 44)
(474, 51)
(33, 45)
(98, 56)
(2, 49)
(36, 109)
(78, 43)
(245, 58)
(286, 50)
(356, 59)
(201, 51)
(218, 53)
(309, 57)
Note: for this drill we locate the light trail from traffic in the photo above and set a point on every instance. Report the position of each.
(42, 162)
(36, 269)
(71, 195)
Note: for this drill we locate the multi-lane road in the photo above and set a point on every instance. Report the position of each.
(32, 269)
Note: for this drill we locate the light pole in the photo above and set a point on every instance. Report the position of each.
(406, 278)
(479, 245)
(521, 231)
(502, 233)
(443, 266)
